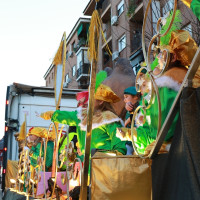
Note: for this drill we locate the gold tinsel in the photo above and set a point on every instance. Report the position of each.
(93, 40)
(58, 57)
(22, 133)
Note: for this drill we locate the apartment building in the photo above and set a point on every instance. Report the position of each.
(122, 28)
(77, 65)
(122, 32)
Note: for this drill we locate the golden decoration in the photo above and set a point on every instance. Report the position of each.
(105, 93)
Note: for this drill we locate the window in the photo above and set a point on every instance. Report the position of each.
(52, 75)
(82, 58)
(122, 43)
(155, 14)
(74, 70)
(67, 55)
(86, 57)
(188, 28)
(120, 8)
(73, 45)
(79, 59)
(66, 77)
(167, 8)
(105, 35)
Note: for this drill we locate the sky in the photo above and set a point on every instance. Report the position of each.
(30, 34)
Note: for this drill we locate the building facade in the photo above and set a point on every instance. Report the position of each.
(122, 31)
(77, 65)
(122, 27)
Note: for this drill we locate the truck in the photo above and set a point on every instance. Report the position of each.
(25, 100)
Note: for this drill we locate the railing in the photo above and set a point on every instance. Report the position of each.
(83, 69)
(136, 41)
(107, 33)
(81, 43)
(105, 5)
(133, 4)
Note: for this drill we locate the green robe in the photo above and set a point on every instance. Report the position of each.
(36, 152)
(147, 133)
(103, 134)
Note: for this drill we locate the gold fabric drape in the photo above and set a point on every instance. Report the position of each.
(11, 171)
(120, 177)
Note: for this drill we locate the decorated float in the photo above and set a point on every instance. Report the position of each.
(150, 172)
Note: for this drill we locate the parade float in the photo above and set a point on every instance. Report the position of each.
(154, 171)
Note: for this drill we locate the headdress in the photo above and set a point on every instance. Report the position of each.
(82, 98)
(130, 90)
(105, 93)
(183, 45)
(38, 131)
(178, 41)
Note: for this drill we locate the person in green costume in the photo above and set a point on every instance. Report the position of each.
(182, 48)
(105, 122)
(35, 136)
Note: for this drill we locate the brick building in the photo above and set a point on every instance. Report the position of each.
(122, 27)
(77, 64)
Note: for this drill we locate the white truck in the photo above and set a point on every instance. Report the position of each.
(24, 99)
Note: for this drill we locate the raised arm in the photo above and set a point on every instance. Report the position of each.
(65, 117)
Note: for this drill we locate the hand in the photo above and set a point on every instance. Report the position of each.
(129, 106)
(128, 121)
(26, 148)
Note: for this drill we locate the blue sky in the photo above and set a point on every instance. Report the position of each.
(30, 33)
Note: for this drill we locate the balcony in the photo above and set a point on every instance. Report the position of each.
(83, 72)
(89, 8)
(81, 43)
(84, 84)
(136, 41)
(107, 34)
(135, 10)
(106, 11)
(136, 58)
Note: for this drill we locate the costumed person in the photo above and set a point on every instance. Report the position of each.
(34, 139)
(131, 99)
(105, 122)
(122, 77)
(182, 49)
(82, 99)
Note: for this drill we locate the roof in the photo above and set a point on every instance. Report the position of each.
(89, 8)
(40, 90)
